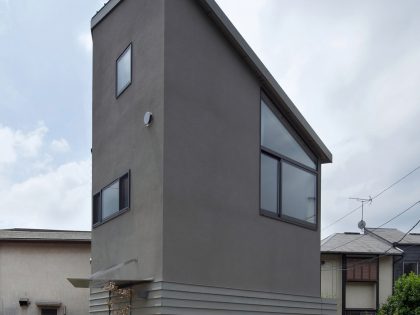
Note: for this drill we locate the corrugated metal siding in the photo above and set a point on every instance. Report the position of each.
(173, 299)
(98, 302)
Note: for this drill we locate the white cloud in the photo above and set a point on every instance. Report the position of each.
(20, 143)
(85, 40)
(59, 198)
(35, 189)
(60, 146)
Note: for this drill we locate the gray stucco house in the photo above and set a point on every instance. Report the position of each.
(206, 177)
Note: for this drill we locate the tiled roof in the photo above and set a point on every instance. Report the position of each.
(395, 235)
(356, 243)
(44, 235)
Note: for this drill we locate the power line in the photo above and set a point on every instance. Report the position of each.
(366, 260)
(393, 218)
(409, 231)
(379, 256)
(374, 197)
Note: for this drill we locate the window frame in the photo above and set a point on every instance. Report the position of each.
(411, 262)
(282, 158)
(358, 262)
(42, 309)
(117, 213)
(117, 94)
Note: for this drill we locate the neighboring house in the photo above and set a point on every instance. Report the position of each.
(34, 267)
(358, 270)
(206, 177)
(409, 244)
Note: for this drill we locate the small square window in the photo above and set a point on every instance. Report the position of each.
(410, 266)
(48, 311)
(123, 71)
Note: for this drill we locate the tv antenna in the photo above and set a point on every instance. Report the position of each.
(362, 223)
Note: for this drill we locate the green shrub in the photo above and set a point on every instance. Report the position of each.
(406, 297)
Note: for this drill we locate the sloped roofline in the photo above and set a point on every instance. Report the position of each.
(270, 85)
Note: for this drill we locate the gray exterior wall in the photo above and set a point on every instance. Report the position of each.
(194, 222)
(213, 232)
(122, 143)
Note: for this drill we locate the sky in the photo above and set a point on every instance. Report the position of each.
(351, 67)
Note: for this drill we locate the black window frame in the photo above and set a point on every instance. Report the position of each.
(98, 195)
(117, 94)
(411, 262)
(284, 159)
(44, 310)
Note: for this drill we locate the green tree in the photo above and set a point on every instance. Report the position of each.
(406, 297)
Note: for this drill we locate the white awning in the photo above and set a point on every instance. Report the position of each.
(116, 273)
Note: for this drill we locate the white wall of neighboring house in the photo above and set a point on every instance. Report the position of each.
(359, 294)
(39, 271)
(385, 278)
(331, 279)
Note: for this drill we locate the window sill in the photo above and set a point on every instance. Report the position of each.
(275, 216)
(111, 217)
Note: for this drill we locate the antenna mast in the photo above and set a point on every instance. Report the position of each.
(362, 223)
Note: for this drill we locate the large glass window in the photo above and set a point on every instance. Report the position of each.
(276, 137)
(288, 171)
(124, 70)
(111, 200)
(298, 192)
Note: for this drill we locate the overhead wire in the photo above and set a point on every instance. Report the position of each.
(374, 197)
(383, 224)
(379, 256)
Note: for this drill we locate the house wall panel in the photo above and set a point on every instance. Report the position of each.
(385, 278)
(213, 231)
(360, 295)
(121, 142)
(175, 298)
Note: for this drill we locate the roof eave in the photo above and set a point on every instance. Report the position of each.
(44, 240)
(103, 12)
(268, 82)
(360, 253)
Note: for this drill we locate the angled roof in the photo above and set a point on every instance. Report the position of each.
(395, 236)
(38, 235)
(267, 80)
(356, 243)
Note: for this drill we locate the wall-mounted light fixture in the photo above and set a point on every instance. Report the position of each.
(148, 118)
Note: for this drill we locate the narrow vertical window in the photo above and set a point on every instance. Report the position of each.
(96, 208)
(269, 184)
(123, 71)
(124, 193)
